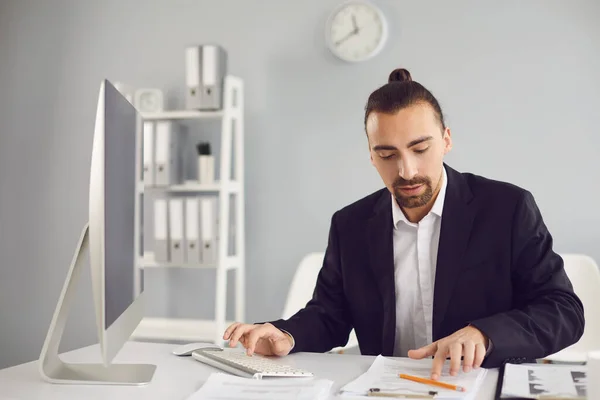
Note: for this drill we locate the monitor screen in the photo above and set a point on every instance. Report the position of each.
(119, 201)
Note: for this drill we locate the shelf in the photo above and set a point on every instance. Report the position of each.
(177, 329)
(181, 114)
(193, 187)
(230, 199)
(148, 262)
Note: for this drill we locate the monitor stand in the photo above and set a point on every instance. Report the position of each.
(54, 370)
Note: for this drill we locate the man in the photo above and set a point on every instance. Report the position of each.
(439, 264)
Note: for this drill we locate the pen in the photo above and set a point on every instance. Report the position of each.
(376, 392)
(432, 382)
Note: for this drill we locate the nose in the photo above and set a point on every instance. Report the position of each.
(407, 169)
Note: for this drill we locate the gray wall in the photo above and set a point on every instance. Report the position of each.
(518, 81)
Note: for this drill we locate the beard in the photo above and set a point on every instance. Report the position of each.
(413, 201)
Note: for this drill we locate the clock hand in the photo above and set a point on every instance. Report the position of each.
(348, 36)
(353, 32)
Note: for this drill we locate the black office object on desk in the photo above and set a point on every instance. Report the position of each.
(543, 381)
(376, 392)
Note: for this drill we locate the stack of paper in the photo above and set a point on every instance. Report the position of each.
(221, 386)
(384, 375)
(533, 381)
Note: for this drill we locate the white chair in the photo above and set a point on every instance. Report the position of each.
(585, 277)
(301, 291)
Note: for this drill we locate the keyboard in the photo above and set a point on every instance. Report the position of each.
(237, 362)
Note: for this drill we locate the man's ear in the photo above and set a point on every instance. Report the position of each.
(447, 140)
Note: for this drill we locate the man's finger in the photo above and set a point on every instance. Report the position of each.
(468, 355)
(252, 338)
(425, 351)
(479, 355)
(237, 334)
(230, 329)
(438, 361)
(456, 350)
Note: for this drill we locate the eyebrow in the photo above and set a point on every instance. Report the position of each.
(411, 144)
(384, 147)
(419, 140)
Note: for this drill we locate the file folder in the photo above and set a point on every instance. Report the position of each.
(208, 231)
(161, 234)
(168, 167)
(192, 231)
(177, 246)
(206, 67)
(148, 154)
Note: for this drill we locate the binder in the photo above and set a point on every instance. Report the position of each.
(177, 245)
(232, 224)
(192, 231)
(206, 67)
(148, 154)
(161, 234)
(208, 229)
(168, 168)
(563, 375)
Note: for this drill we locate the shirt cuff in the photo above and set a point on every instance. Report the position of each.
(291, 337)
(490, 347)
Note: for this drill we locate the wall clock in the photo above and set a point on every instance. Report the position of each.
(356, 31)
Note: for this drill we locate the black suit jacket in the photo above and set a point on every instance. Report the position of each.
(496, 270)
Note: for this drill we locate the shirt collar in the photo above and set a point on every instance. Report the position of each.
(438, 205)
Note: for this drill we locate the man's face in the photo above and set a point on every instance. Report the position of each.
(408, 149)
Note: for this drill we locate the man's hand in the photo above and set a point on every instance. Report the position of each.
(263, 339)
(468, 343)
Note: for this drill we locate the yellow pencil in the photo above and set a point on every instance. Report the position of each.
(432, 382)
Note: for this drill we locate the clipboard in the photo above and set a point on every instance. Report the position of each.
(500, 382)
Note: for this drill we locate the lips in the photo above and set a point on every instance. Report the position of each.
(410, 189)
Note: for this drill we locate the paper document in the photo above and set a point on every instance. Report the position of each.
(221, 386)
(533, 381)
(384, 375)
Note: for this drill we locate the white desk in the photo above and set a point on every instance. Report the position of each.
(176, 377)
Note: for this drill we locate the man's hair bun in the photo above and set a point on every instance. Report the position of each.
(400, 75)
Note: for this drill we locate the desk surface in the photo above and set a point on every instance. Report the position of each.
(176, 377)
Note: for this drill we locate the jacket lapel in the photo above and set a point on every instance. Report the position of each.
(381, 257)
(457, 220)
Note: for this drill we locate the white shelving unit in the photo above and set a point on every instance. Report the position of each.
(232, 138)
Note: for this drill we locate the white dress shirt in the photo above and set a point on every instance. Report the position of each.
(415, 257)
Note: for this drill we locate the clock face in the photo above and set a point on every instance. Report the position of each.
(356, 31)
(149, 100)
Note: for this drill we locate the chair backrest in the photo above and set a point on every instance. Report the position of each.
(585, 277)
(303, 283)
